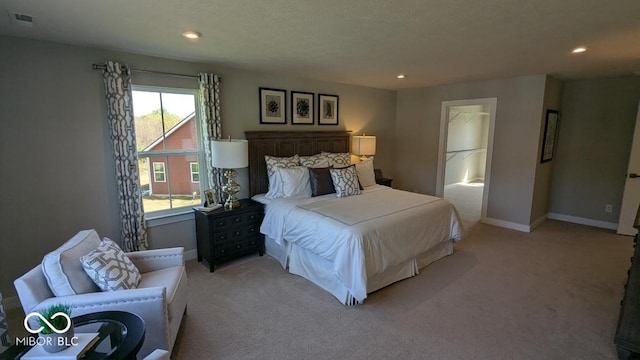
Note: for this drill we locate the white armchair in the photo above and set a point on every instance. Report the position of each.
(160, 298)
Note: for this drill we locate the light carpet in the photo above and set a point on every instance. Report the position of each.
(551, 294)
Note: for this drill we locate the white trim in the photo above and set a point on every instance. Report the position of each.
(583, 221)
(181, 214)
(507, 224)
(190, 255)
(164, 171)
(191, 163)
(492, 103)
(538, 222)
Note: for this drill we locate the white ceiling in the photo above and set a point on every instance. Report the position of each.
(363, 42)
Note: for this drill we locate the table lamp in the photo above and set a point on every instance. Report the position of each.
(230, 154)
(363, 146)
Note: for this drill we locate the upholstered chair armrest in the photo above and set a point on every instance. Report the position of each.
(108, 300)
(152, 260)
(32, 288)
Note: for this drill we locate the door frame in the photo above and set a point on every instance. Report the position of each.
(492, 103)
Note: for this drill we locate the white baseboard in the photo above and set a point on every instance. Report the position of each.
(537, 223)
(190, 255)
(583, 221)
(507, 224)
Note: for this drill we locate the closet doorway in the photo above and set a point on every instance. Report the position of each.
(464, 162)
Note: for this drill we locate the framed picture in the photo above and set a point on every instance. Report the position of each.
(210, 198)
(302, 108)
(273, 106)
(550, 135)
(327, 109)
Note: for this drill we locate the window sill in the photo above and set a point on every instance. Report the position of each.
(164, 219)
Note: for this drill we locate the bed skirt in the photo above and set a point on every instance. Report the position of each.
(320, 271)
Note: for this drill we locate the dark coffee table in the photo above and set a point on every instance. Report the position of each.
(121, 335)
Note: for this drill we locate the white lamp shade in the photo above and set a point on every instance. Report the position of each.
(230, 153)
(363, 145)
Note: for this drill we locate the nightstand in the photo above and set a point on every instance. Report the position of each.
(381, 180)
(224, 234)
(384, 181)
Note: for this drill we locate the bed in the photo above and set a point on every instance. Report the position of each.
(349, 246)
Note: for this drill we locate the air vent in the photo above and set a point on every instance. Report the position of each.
(19, 19)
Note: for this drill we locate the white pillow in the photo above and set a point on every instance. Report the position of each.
(110, 268)
(366, 176)
(276, 162)
(293, 181)
(338, 159)
(62, 267)
(345, 181)
(315, 161)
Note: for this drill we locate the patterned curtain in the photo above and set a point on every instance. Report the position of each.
(211, 124)
(4, 329)
(117, 84)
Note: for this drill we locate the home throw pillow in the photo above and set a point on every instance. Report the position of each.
(345, 181)
(62, 268)
(320, 181)
(366, 176)
(338, 159)
(110, 268)
(314, 161)
(293, 181)
(273, 163)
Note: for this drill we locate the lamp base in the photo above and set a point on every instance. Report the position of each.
(231, 188)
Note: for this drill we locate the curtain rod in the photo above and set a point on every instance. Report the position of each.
(102, 67)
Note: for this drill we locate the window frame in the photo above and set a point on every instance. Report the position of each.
(164, 171)
(194, 172)
(174, 211)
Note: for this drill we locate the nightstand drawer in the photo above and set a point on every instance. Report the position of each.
(235, 247)
(236, 220)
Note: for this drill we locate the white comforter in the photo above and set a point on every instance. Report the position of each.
(366, 234)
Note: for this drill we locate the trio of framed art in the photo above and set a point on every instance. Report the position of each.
(273, 107)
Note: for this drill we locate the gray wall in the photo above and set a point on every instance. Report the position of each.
(518, 117)
(596, 131)
(56, 157)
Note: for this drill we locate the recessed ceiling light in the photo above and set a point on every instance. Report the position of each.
(579, 49)
(191, 34)
(400, 76)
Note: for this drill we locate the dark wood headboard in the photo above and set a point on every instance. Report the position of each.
(288, 143)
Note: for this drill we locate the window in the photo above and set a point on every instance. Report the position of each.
(195, 172)
(158, 172)
(169, 150)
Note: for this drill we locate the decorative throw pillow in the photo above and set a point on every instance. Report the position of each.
(366, 176)
(276, 162)
(345, 181)
(293, 181)
(62, 269)
(338, 159)
(110, 268)
(320, 181)
(314, 161)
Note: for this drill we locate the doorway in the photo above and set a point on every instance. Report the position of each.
(464, 163)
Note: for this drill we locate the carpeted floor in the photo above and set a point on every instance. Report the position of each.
(467, 198)
(551, 294)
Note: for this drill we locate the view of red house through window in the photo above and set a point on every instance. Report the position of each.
(168, 149)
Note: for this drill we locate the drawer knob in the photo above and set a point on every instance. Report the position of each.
(237, 246)
(237, 232)
(221, 250)
(220, 223)
(236, 219)
(252, 217)
(222, 237)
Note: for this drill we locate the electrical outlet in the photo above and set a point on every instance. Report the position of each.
(608, 208)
